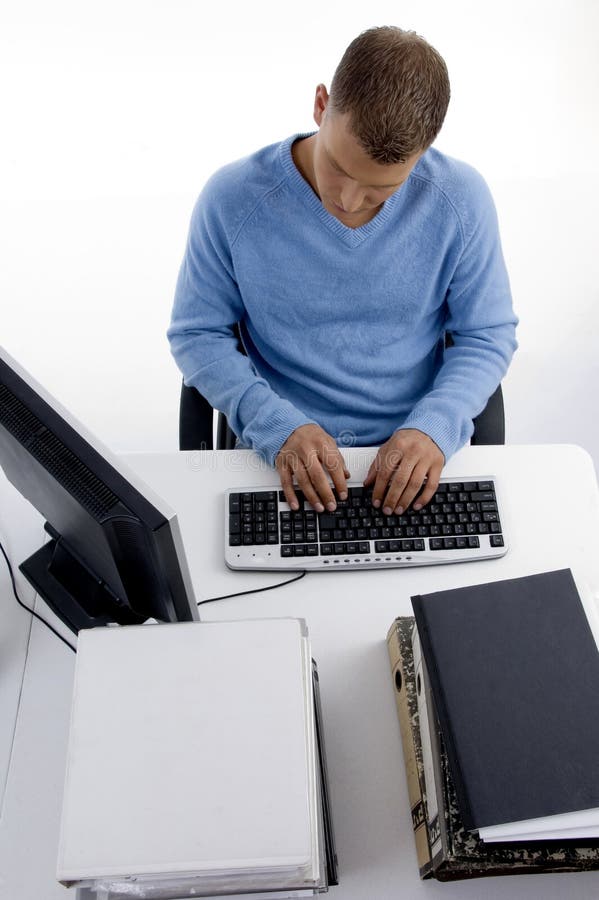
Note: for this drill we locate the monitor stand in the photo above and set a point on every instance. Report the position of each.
(72, 592)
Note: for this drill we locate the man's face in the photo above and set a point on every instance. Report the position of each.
(350, 184)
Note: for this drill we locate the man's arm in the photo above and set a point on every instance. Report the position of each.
(207, 306)
(203, 342)
(482, 323)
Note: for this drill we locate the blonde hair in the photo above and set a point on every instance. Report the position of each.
(395, 87)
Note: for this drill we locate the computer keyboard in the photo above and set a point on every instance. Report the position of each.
(461, 523)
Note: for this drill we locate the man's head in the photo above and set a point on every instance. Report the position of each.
(394, 88)
(387, 103)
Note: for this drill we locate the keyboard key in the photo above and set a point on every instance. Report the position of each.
(265, 496)
(496, 540)
(481, 496)
(327, 522)
(490, 517)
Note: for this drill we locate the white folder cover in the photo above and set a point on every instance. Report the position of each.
(189, 752)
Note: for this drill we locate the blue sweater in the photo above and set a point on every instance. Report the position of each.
(343, 326)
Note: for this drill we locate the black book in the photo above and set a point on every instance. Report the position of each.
(514, 674)
(446, 850)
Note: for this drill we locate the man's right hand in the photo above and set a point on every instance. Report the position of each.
(309, 453)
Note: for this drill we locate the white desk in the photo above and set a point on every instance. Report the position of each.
(348, 616)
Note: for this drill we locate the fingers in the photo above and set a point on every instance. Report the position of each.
(408, 460)
(286, 476)
(430, 488)
(403, 486)
(310, 456)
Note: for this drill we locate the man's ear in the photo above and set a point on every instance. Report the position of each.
(321, 100)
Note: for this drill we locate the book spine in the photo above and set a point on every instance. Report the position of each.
(402, 666)
(443, 717)
(427, 727)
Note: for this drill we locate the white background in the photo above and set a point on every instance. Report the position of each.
(114, 113)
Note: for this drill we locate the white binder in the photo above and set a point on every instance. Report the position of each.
(192, 755)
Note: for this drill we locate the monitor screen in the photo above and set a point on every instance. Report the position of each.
(114, 552)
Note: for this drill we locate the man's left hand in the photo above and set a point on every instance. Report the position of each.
(402, 465)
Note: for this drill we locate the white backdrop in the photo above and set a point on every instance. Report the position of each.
(115, 113)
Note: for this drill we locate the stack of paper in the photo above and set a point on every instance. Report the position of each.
(192, 764)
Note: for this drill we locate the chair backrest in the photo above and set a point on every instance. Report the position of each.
(196, 423)
(489, 425)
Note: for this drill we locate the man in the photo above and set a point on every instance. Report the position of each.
(346, 256)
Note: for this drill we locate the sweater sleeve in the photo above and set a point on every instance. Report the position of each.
(482, 324)
(207, 306)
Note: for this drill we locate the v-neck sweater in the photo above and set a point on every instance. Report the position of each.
(343, 326)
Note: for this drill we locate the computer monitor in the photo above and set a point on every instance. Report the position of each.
(115, 552)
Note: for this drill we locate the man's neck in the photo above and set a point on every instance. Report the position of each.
(302, 152)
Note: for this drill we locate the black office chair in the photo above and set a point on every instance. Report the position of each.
(196, 420)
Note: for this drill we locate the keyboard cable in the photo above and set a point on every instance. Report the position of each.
(268, 587)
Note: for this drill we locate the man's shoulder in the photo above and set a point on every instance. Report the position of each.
(463, 187)
(458, 181)
(249, 177)
(235, 190)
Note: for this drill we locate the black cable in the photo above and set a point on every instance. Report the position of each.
(269, 587)
(32, 611)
